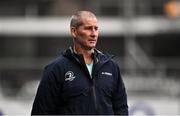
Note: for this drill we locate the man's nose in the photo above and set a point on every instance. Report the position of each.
(94, 33)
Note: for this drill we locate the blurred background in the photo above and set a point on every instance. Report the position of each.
(143, 34)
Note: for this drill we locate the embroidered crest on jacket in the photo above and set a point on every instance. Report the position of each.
(69, 76)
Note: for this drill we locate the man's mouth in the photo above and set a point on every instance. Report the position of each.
(92, 40)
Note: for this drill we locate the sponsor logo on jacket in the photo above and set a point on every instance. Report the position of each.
(106, 73)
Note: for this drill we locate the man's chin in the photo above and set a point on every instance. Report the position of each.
(90, 47)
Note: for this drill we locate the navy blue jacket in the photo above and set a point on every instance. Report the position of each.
(67, 87)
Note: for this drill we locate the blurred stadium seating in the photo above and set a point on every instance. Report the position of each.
(141, 33)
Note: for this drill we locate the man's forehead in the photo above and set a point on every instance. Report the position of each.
(89, 23)
(88, 20)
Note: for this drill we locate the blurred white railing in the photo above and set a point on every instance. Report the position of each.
(59, 26)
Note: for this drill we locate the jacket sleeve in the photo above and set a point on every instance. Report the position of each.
(119, 100)
(47, 96)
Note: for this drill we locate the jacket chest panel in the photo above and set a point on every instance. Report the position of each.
(75, 83)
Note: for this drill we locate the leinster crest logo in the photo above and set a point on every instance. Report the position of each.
(69, 76)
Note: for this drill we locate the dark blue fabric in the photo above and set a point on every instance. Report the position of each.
(66, 87)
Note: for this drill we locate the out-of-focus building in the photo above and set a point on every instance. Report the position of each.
(140, 33)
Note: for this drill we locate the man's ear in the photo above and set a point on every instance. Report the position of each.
(73, 32)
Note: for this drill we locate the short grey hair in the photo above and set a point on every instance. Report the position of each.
(77, 17)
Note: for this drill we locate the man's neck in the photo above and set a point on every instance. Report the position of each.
(86, 54)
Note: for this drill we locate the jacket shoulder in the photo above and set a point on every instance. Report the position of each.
(54, 70)
(56, 63)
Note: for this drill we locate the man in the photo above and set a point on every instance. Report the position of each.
(82, 80)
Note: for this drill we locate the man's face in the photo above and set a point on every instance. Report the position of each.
(86, 35)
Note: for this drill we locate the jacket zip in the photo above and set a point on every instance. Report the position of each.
(93, 85)
(94, 96)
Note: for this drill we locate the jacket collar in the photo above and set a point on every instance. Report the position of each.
(97, 55)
